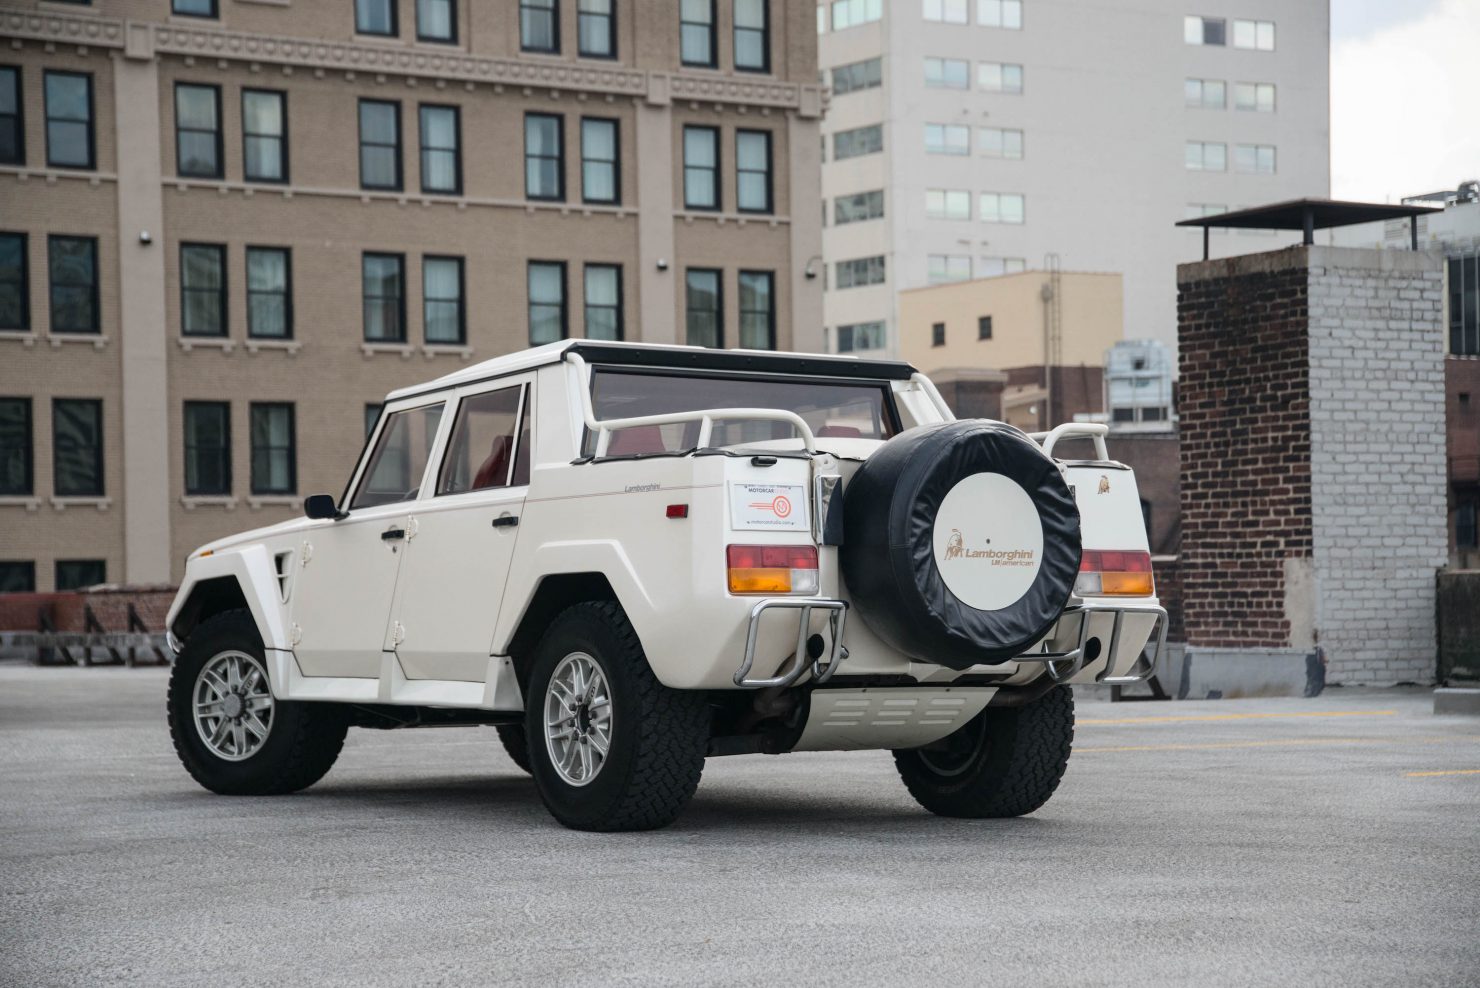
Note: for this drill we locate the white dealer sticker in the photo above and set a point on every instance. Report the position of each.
(771, 507)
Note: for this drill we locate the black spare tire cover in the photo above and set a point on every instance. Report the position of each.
(961, 542)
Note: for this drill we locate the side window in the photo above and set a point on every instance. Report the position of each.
(482, 454)
(400, 457)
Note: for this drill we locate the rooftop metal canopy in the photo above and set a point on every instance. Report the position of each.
(1311, 215)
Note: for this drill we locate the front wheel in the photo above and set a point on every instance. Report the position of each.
(1007, 761)
(610, 747)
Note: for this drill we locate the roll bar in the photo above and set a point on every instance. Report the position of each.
(1073, 430)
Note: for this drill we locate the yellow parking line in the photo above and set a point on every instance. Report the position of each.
(1215, 746)
(1452, 771)
(1184, 718)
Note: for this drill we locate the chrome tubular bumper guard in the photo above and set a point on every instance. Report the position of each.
(1063, 666)
(834, 652)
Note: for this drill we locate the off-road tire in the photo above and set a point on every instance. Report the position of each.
(659, 736)
(516, 745)
(302, 743)
(1006, 762)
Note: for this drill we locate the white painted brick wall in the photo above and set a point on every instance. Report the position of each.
(1377, 460)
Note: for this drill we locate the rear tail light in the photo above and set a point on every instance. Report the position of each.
(772, 568)
(1108, 573)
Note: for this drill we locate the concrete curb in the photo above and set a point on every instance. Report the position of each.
(1453, 701)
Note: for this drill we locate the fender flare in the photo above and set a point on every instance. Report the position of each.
(253, 571)
(604, 556)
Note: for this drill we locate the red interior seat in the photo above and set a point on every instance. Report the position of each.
(639, 439)
(495, 469)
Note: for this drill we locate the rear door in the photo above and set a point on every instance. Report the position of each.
(451, 582)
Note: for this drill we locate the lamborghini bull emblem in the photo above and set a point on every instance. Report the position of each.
(1104, 484)
(955, 545)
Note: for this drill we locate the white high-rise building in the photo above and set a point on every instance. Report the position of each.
(967, 138)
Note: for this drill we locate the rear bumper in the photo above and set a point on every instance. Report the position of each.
(1101, 630)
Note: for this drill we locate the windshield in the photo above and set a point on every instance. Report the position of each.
(838, 409)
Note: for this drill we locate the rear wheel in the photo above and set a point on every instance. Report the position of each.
(515, 744)
(610, 747)
(232, 736)
(1007, 761)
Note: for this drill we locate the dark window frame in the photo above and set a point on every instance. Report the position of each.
(559, 156)
(282, 139)
(292, 448)
(611, 32)
(433, 39)
(221, 306)
(24, 566)
(530, 303)
(937, 334)
(765, 32)
(224, 451)
(23, 283)
(616, 161)
(102, 565)
(769, 173)
(770, 306)
(719, 304)
(552, 7)
(214, 14)
(17, 120)
(27, 447)
(983, 328)
(365, 297)
(716, 168)
(400, 181)
(96, 324)
(462, 300)
(621, 303)
(91, 122)
(218, 134)
(423, 149)
(287, 292)
(100, 489)
(395, 18)
(713, 27)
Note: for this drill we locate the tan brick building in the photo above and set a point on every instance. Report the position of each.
(228, 227)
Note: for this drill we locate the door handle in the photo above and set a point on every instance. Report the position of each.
(506, 521)
(392, 534)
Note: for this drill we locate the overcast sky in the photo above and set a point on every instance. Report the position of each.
(1405, 97)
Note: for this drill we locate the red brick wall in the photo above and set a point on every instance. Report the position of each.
(1244, 403)
(1168, 573)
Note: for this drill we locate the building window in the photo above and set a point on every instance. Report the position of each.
(376, 17)
(851, 13)
(436, 20)
(753, 171)
(264, 135)
(858, 207)
(603, 301)
(194, 8)
(997, 77)
(1204, 157)
(947, 139)
(69, 120)
(372, 415)
(752, 36)
(17, 577)
(596, 28)
(704, 319)
(1001, 207)
(198, 130)
(859, 272)
(269, 293)
(544, 156)
(701, 167)
(12, 119)
(1254, 159)
(383, 290)
(1464, 306)
(696, 33)
(443, 313)
(77, 447)
(539, 26)
(15, 281)
(441, 158)
(984, 327)
(938, 334)
(202, 290)
(998, 142)
(1000, 13)
(947, 11)
(207, 448)
(858, 142)
(73, 267)
(17, 457)
(600, 171)
(1467, 526)
(758, 310)
(947, 73)
(857, 76)
(1210, 94)
(992, 267)
(861, 336)
(380, 144)
(948, 204)
(1204, 30)
(1197, 210)
(79, 574)
(1258, 35)
(943, 269)
(274, 448)
(548, 317)
(1256, 96)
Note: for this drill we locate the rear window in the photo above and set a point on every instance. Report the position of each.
(837, 409)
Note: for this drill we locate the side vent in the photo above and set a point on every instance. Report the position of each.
(283, 562)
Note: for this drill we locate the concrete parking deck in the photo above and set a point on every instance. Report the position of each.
(1327, 841)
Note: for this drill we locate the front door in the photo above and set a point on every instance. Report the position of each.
(347, 578)
(452, 580)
